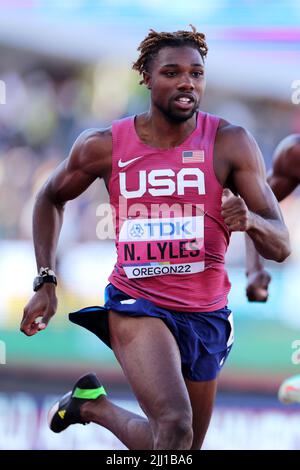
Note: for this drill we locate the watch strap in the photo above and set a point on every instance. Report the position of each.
(40, 280)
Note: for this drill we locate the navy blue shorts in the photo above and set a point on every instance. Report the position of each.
(204, 338)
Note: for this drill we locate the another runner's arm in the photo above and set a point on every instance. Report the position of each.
(283, 178)
(263, 220)
(89, 159)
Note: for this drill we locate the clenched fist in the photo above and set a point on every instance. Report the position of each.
(234, 211)
(42, 305)
(257, 287)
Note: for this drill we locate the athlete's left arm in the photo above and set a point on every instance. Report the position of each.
(256, 211)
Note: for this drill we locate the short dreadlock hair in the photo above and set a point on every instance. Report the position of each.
(152, 43)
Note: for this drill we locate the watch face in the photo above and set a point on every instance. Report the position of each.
(37, 283)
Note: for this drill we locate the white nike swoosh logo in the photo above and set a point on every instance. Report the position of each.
(122, 164)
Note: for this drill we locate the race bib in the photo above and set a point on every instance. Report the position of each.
(160, 246)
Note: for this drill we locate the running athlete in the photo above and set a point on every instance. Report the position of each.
(180, 180)
(283, 178)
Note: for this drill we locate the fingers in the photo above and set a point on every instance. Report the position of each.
(226, 195)
(262, 294)
(257, 294)
(263, 280)
(236, 224)
(32, 323)
(37, 313)
(257, 289)
(45, 320)
(29, 327)
(234, 212)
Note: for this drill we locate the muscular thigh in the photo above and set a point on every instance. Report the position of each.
(202, 397)
(150, 359)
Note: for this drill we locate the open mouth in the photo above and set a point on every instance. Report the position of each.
(184, 101)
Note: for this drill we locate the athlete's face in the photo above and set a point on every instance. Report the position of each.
(176, 80)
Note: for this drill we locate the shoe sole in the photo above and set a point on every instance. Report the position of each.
(55, 407)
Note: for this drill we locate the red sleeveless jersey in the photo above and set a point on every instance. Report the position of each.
(171, 239)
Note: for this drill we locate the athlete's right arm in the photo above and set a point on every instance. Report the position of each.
(89, 159)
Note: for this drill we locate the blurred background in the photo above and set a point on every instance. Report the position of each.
(66, 66)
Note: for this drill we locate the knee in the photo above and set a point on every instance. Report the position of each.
(174, 432)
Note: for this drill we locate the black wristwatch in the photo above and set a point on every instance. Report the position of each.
(45, 275)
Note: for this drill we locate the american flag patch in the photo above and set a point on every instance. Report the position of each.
(192, 156)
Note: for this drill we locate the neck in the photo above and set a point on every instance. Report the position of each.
(155, 129)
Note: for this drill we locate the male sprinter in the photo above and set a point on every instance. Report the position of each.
(165, 315)
(283, 178)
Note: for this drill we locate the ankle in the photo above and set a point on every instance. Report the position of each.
(91, 409)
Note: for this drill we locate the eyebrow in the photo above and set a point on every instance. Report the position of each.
(177, 65)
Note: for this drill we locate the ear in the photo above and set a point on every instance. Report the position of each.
(147, 80)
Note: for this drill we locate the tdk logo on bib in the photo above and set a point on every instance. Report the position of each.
(176, 228)
(169, 228)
